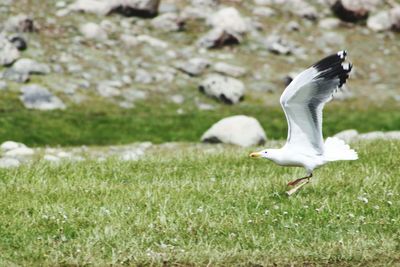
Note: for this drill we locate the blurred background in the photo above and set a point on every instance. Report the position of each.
(92, 72)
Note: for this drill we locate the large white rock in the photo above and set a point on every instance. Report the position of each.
(237, 130)
(8, 52)
(37, 97)
(10, 145)
(92, 30)
(228, 90)
(20, 151)
(352, 135)
(393, 135)
(347, 135)
(372, 135)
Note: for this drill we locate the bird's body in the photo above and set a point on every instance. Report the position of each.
(303, 101)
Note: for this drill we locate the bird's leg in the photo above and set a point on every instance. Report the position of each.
(299, 180)
(295, 189)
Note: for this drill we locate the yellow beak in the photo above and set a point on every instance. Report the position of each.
(255, 155)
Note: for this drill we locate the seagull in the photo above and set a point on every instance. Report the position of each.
(303, 101)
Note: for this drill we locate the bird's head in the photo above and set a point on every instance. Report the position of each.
(266, 153)
(272, 154)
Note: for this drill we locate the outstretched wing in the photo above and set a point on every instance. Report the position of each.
(305, 97)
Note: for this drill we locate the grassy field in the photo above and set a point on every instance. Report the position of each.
(102, 123)
(202, 205)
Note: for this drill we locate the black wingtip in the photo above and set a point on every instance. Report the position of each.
(333, 67)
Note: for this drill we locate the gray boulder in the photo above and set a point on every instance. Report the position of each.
(385, 20)
(30, 66)
(228, 19)
(168, 22)
(228, 90)
(380, 21)
(142, 8)
(194, 66)
(20, 23)
(228, 27)
(237, 130)
(37, 97)
(218, 37)
(8, 52)
(12, 75)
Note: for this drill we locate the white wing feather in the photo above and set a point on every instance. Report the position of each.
(303, 101)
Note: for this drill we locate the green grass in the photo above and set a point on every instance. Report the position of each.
(99, 123)
(202, 205)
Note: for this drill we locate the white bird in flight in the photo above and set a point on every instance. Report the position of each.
(303, 101)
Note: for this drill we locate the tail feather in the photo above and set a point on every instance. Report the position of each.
(337, 149)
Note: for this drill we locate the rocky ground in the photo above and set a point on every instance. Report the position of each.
(57, 55)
